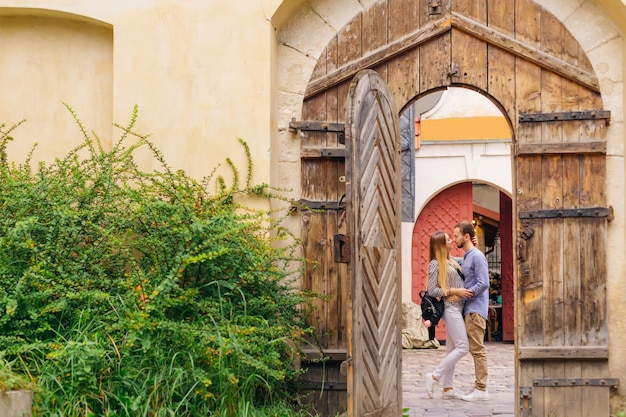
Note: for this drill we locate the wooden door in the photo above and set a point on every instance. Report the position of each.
(373, 217)
(562, 340)
(442, 212)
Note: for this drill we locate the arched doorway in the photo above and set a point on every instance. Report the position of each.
(493, 224)
(461, 170)
(553, 103)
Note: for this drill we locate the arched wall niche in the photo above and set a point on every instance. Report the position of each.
(51, 13)
(44, 52)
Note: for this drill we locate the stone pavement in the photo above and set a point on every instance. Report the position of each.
(501, 383)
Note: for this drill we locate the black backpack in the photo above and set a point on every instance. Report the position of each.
(432, 309)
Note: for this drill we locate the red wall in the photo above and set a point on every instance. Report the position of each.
(446, 209)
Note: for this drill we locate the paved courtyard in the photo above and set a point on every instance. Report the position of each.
(501, 383)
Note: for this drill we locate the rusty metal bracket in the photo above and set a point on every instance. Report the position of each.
(568, 213)
(526, 400)
(527, 233)
(304, 204)
(565, 116)
(315, 126)
(323, 385)
(573, 382)
(434, 7)
(454, 71)
(342, 249)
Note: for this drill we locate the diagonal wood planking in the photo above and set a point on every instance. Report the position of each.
(374, 175)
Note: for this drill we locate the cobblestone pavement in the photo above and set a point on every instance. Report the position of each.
(501, 383)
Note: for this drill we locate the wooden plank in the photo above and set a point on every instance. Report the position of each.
(473, 9)
(348, 68)
(528, 372)
(320, 68)
(331, 56)
(470, 54)
(595, 401)
(334, 190)
(403, 73)
(319, 152)
(501, 19)
(349, 42)
(553, 250)
(572, 320)
(341, 276)
(552, 199)
(437, 53)
(500, 81)
(316, 242)
(525, 51)
(554, 397)
(500, 78)
(562, 352)
(374, 28)
(573, 395)
(325, 401)
(593, 272)
(560, 148)
(529, 312)
(402, 17)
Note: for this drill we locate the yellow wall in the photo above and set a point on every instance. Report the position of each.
(198, 70)
(460, 128)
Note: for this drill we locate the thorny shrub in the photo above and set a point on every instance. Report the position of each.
(131, 293)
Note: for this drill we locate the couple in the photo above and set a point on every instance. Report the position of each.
(465, 313)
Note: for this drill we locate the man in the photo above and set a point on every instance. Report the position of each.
(476, 308)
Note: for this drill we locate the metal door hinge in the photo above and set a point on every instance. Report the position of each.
(343, 251)
(599, 212)
(572, 382)
(315, 126)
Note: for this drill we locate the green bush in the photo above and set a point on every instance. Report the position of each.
(131, 293)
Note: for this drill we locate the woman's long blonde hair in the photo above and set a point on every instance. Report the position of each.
(439, 251)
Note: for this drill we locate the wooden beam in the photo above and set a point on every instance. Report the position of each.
(312, 152)
(512, 45)
(560, 148)
(562, 352)
(398, 47)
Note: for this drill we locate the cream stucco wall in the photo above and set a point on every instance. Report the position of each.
(199, 71)
(206, 72)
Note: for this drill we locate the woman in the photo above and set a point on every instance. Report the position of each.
(445, 280)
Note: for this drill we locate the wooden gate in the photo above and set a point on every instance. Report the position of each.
(374, 214)
(526, 61)
(562, 341)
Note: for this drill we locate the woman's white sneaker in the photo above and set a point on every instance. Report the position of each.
(451, 394)
(476, 395)
(431, 385)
